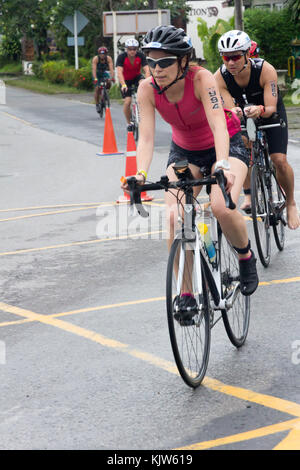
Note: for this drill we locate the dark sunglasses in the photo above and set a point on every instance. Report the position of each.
(132, 48)
(235, 58)
(164, 62)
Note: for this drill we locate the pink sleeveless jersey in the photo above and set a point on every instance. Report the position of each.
(190, 128)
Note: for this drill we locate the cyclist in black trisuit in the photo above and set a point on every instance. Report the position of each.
(102, 70)
(257, 80)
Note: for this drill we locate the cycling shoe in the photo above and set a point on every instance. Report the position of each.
(186, 307)
(248, 275)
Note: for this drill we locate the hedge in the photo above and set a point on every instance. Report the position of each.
(60, 72)
(273, 31)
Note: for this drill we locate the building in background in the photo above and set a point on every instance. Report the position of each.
(210, 11)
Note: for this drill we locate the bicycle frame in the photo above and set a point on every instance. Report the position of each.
(212, 271)
(103, 92)
(266, 209)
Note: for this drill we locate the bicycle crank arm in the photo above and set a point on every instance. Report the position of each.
(226, 304)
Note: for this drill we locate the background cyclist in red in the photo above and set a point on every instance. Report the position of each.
(129, 65)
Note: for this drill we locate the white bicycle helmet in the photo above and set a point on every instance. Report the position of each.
(234, 40)
(131, 43)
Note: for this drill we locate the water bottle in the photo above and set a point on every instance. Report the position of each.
(209, 246)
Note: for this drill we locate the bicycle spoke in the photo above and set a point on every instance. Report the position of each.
(235, 318)
(279, 212)
(260, 216)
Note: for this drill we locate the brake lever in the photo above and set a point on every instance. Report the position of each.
(220, 177)
(135, 196)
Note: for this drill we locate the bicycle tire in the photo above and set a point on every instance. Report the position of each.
(107, 100)
(278, 199)
(136, 132)
(236, 319)
(190, 344)
(260, 215)
(135, 120)
(101, 110)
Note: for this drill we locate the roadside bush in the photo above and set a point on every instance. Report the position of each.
(53, 71)
(37, 68)
(115, 92)
(273, 31)
(84, 78)
(60, 72)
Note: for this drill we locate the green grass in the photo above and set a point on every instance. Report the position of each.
(11, 69)
(41, 86)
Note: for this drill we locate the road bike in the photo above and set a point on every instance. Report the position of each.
(104, 101)
(134, 112)
(213, 283)
(268, 200)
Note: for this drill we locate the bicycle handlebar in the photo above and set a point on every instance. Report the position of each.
(135, 189)
(266, 123)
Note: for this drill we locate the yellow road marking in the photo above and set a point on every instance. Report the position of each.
(292, 440)
(18, 119)
(32, 208)
(91, 335)
(244, 436)
(86, 242)
(280, 281)
(29, 216)
(133, 302)
(103, 307)
(53, 206)
(269, 401)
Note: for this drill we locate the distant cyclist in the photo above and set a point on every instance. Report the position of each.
(257, 80)
(254, 50)
(103, 71)
(129, 67)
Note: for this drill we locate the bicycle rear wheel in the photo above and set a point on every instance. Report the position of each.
(190, 343)
(237, 316)
(279, 216)
(260, 216)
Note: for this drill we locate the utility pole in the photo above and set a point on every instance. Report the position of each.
(238, 15)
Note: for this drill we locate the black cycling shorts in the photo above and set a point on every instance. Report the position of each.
(277, 137)
(205, 159)
(129, 83)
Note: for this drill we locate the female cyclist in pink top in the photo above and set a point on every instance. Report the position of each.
(203, 133)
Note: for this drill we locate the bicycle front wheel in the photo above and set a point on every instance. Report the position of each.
(190, 340)
(107, 99)
(135, 120)
(236, 317)
(279, 216)
(260, 216)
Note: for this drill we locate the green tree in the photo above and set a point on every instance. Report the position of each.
(26, 19)
(273, 31)
(210, 37)
(294, 8)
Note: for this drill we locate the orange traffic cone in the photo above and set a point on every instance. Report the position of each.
(131, 168)
(109, 141)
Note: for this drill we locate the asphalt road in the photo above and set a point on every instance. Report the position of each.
(85, 358)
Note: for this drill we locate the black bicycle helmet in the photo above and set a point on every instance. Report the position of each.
(169, 39)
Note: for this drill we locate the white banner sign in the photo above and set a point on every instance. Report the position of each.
(210, 12)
